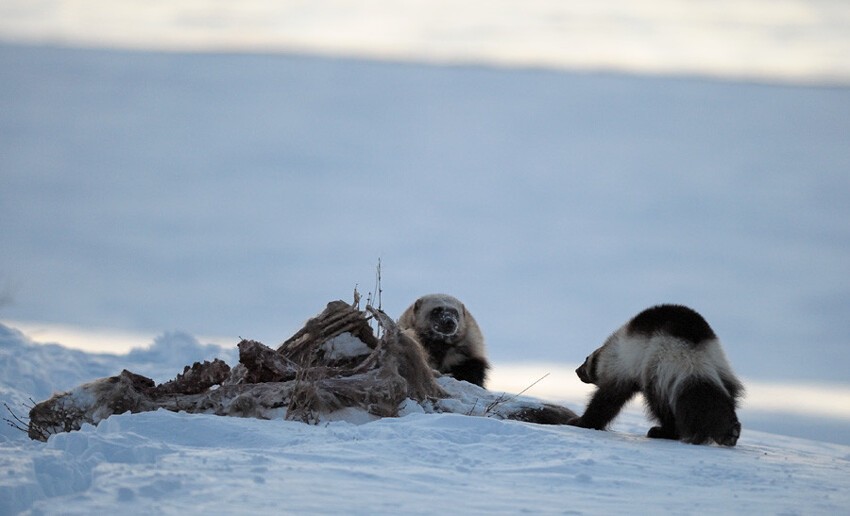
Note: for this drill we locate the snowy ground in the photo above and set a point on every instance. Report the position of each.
(168, 463)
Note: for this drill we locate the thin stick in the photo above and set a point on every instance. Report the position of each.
(377, 294)
(502, 399)
(532, 385)
(18, 423)
(378, 289)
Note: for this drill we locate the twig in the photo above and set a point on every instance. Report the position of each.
(379, 289)
(502, 399)
(498, 401)
(532, 385)
(304, 397)
(377, 295)
(16, 424)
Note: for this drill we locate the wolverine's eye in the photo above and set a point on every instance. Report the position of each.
(442, 311)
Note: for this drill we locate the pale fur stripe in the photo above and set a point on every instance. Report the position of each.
(662, 363)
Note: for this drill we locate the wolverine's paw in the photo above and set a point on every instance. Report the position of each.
(731, 438)
(658, 432)
(581, 423)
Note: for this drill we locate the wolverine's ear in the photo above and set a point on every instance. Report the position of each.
(416, 305)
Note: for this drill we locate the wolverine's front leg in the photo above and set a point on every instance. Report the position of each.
(605, 405)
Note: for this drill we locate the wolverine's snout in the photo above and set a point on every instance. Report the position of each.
(582, 373)
(446, 323)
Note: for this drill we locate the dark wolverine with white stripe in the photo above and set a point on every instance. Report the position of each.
(671, 355)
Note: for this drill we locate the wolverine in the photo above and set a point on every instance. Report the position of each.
(671, 355)
(449, 335)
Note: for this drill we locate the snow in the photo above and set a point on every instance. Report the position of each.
(419, 463)
(344, 345)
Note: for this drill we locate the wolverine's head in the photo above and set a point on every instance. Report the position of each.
(587, 371)
(597, 366)
(440, 317)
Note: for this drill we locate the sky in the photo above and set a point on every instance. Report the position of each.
(791, 40)
(163, 171)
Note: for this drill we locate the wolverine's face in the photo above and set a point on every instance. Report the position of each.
(444, 320)
(438, 317)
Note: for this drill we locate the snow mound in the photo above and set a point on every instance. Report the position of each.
(31, 372)
(421, 463)
(166, 462)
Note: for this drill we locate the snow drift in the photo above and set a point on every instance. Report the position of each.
(167, 462)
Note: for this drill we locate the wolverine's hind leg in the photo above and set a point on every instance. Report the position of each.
(731, 435)
(704, 413)
(660, 410)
